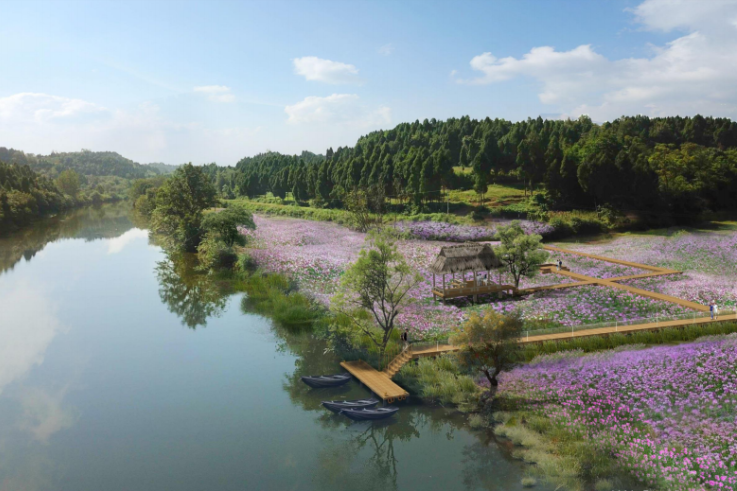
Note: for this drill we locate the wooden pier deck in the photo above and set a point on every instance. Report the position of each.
(378, 382)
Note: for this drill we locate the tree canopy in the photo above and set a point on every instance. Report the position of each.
(674, 166)
(489, 343)
(520, 253)
(180, 202)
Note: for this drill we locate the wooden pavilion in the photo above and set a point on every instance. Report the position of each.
(461, 260)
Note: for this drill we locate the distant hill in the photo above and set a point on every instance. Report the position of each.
(162, 168)
(86, 163)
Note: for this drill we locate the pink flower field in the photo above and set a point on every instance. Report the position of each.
(708, 260)
(667, 414)
(316, 253)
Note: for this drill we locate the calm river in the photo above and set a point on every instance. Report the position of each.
(118, 371)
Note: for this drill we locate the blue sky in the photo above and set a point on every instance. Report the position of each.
(216, 81)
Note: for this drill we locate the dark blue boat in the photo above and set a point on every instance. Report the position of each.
(370, 414)
(322, 381)
(338, 406)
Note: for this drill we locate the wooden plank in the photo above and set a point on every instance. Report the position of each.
(557, 286)
(651, 326)
(638, 291)
(378, 382)
(438, 350)
(605, 259)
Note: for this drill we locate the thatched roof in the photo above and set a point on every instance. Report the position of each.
(465, 257)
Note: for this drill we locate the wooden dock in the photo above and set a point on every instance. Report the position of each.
(378, 382)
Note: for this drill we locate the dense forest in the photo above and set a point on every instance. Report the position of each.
(674, 166)
(24, 194)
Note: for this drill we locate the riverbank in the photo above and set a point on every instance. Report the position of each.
(118, 362)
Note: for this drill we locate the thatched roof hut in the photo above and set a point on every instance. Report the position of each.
(465, 257)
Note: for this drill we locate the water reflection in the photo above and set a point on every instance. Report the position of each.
(103, 222)
(124, 398)
(191, 296)
(23, 344)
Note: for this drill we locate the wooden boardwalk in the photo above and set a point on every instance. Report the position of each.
(378, 382)
(610, 260)
(605, 331)
(611, 283)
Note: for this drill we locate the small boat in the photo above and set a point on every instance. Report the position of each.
(338, 406)
(370, 414)
(320, 381)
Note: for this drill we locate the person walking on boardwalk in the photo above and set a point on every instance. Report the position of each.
(405, 339)
(711, 309)
(557, 263)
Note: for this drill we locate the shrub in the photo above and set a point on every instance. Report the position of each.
(440, 379)
(212, 253)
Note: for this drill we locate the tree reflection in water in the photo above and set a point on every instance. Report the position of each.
(192, 296)
(90, 223)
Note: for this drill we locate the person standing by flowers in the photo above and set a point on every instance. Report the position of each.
(711, 309)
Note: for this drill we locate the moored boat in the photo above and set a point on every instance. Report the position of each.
(370, 414)
(338, 406)
(321, 381)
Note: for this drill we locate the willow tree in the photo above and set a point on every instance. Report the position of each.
(374, 289)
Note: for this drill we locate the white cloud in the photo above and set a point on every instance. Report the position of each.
(31, 107)
(337, 109)
(216, 93)
(386, 50)
(117, 244)
(23, 344)
(320, 70)
(694, 73)
(44, 413)
(41, 123)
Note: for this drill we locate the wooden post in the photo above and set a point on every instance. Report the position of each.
(475, 287)
(443, 288)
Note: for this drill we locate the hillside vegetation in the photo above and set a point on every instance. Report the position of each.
(662, 169)
(24, 194)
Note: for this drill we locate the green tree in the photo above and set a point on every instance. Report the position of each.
(68, 183)
(225, 223)
(489, 344)
(522, 254)
(180, 202)
(374, 289)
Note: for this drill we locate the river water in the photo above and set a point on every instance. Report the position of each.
(119, 370)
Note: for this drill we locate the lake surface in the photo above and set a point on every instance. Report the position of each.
(119, 370)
